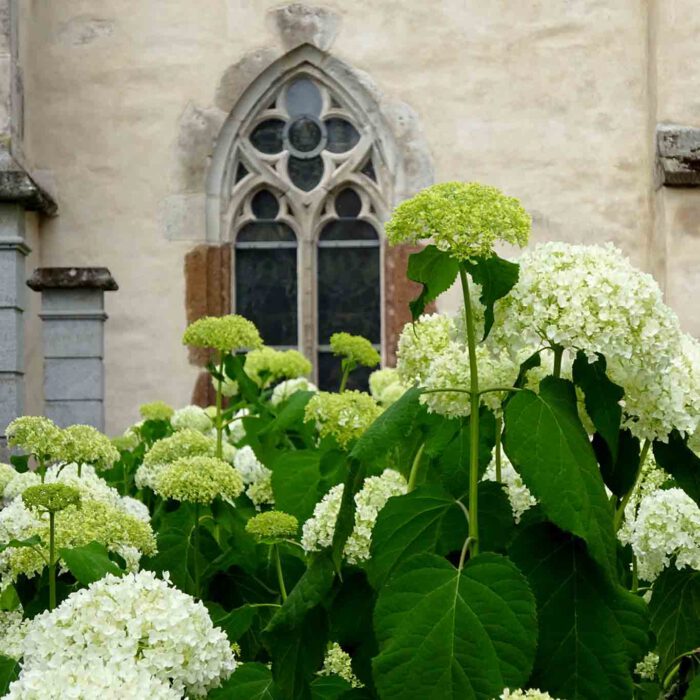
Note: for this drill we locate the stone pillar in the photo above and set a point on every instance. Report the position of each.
(13, 250)
(72, 310)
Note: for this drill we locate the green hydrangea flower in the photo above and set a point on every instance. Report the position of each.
(345, 416)
(34, 434)
(268, 366)
(355, 349)
(464, 219)
(156, 410)
(84, 444)
(198, 480)
(223, 333)
(7, 473)
(272, 525)
(51, 498)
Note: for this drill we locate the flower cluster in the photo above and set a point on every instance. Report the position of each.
(463, 219)
(18, 483)
(530, 694)
(35, 435)
(13, 628)
(256, 476)
(223, 333)
(344, 416)
(355, 349)
(338, 663)
(84, 444)
(646, 669)
(156, 410)
(420, 342)
(236, 429)
(272, 525)
(138, 623)
(268, 366)
(318, 530)
(666, 528)
(198, 480)
(192, 418)
(51, 498)
(285, 389)
(7, 474)
(518, 494)
(386, 386)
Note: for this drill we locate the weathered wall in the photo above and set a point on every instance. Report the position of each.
(548, 100)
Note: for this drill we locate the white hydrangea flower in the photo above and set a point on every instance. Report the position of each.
(317, 531)
(337, 662)
(285, 389)
(261, 493)
(531, 694)
(134, 621)
(518, 494)
(229, 387)
(248, 465)
(236, 428)
(647, 667)
(135, 508)
(386, 386)
(666, 526)
(13, 628)
(7, 473)
(420, 342)
(19, 483)
(192, 417)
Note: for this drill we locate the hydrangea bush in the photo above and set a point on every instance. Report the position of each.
(513, 511)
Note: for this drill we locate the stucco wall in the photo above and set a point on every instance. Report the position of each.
(548, 100)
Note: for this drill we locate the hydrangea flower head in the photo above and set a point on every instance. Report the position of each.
(530, 694)
(51, 498)
(344, 416)
(518, 494)
(355, 349)
(420, 342)
(34, 434)
(285, 389)
(464, 219)
(7, 474)
(386, 386)
(193, 417)
(19, 483)
(156, 410)
(198, 480)
(337, 662)
(272, 525)
(223, 333)
(13, 628)
(268, 366)
(84, 444)
(647, 668)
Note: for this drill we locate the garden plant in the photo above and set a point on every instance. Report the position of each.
(513, 511)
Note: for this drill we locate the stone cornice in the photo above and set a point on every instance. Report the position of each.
(72, 278)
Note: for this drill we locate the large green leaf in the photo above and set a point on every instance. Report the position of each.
(250, 681)
(295, 482)
(291, 415)
(329, 688)
(693, 690)
(620, 474)
(547, 444)
(675, 615)
(236, 622)
(602, 398)
(591, 631)
(427, 520)
(436, 271)
(89, 563)
(29, 542)
(496, 277)
(9, 670)
(681, 463)
(444, 634)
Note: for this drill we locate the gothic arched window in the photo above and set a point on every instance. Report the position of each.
(306, 194)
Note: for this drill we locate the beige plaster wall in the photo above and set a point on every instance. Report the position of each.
(548, 100)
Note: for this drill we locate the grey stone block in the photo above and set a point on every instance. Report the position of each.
(11, 278)
(11, 399)
(65, 413)
(679, 155)
(11, 340)
(73, 337)
(73, 379)
(72, 300)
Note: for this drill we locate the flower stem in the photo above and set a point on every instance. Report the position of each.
(473, 420)
(196, 550)
(219, 426)
(414, 468)
(280, 575)
(558, 355)
(499, 430)
(346, 373)
(52, 560)
(620, 512)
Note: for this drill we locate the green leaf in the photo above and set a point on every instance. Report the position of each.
(389, 428)
(9, 670)
(601, 397)
(535, 360)
(675, 615)
(681, 463)
(32, 541)
(496, 524)
(295, 482)
(235, 623)
(435, 270)
(496, 277)
(591, 631)
(549, 447)
(234, 369)
(619, 475)
(20, 463)
(291, 414)
(89, 563)
(329, 688)
(427, 520)
(445, 634)
(693, 690)
(250, 681)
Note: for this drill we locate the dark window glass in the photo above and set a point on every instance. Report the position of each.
(348, 230)
(304, 134)
(329, 374)
(368, 170)
(264, 205)
(241, 172)
(267, 136)
(305, 174)
(348, 203)
(265, 231)
(303, 97)
(348, 292)
(342, 135)
(266, 292)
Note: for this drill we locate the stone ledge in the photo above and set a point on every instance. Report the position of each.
(679, 155)
(17, 186)
(72, 278)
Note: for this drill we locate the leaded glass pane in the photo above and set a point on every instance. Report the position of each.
(348, 292)
(265, 231)
(266, 292)
(349, 230)
(307, 173)
(348, 203)
(267, 136)
(303, 97)
(304, 134)
(368, 170)
(329, 374)
(264, 205)
(342, 135)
